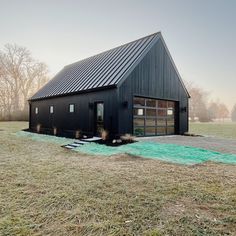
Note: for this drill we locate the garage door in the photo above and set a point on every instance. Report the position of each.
(153, 117)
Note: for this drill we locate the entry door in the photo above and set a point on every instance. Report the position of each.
(99, 117)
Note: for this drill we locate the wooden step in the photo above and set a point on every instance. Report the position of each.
(93, 139)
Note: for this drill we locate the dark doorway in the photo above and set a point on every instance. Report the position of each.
(99, 117)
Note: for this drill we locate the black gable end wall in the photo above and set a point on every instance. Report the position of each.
(156, 77)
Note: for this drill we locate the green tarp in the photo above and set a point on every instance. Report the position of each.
(166, 152)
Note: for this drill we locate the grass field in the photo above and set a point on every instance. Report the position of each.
(220, 129)
(47, 190)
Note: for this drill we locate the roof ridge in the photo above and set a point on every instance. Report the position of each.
(147, 36)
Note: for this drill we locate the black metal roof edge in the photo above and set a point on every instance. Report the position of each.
(74, 93)
(173, 64)
(143, 54)
(159, 32)
(50, 81)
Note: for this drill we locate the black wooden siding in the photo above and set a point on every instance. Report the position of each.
(154, 77)
(82, 119)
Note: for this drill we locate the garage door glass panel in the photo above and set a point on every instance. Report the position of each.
(150, 103)
(153, 117)
(150, 122)
(170, 130)
(162, 104)
(161, 130)
(161, 112)
(151, 112)
(138, 122)
(139, 101)
(170, 122)
(139, 131)
(139, 112)
(161, 122)
(150, 130)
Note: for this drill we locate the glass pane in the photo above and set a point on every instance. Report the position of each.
(170, 112)
(150, 112)
(161, 122)
(162, 104)
(150, 103)
(161, 130)
(72, 108)
(150, 122)
(138, 111)
(171, 104)
(170, 130)
(150, 131)
(139, 131)
(170, 122)
(138, 122)
(100, 112)
(161, 112)
(139, 101)
(36, 110)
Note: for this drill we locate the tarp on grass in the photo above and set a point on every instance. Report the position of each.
(166, 152)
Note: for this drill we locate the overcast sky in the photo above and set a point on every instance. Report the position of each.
(200, 34)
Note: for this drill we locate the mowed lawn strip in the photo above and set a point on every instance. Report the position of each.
(217, 129)
(47, 190)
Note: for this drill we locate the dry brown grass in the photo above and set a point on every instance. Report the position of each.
(47, 190)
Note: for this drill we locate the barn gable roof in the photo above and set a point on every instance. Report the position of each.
(101, 71)
(104, 70)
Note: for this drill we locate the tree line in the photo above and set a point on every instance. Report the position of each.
(20, 77)
(204, 111)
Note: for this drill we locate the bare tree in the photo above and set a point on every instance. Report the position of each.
(223, 111)
(20, 76)
(213, 110)
(198, 102)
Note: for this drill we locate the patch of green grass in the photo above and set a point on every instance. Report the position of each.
(222, 130)
(47, 190)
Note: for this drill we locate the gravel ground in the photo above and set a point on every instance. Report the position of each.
(211, 143)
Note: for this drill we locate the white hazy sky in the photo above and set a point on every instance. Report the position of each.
(201, 35)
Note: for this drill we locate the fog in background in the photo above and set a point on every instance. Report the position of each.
(200, 35)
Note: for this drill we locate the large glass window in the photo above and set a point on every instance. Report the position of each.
(153, 117)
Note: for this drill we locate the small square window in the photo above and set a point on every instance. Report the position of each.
(36, 110)
(72, 108)
(51, 109)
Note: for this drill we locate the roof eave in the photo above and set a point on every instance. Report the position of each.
(74, 93)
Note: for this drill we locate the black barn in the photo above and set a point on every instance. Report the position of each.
(134, 88)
